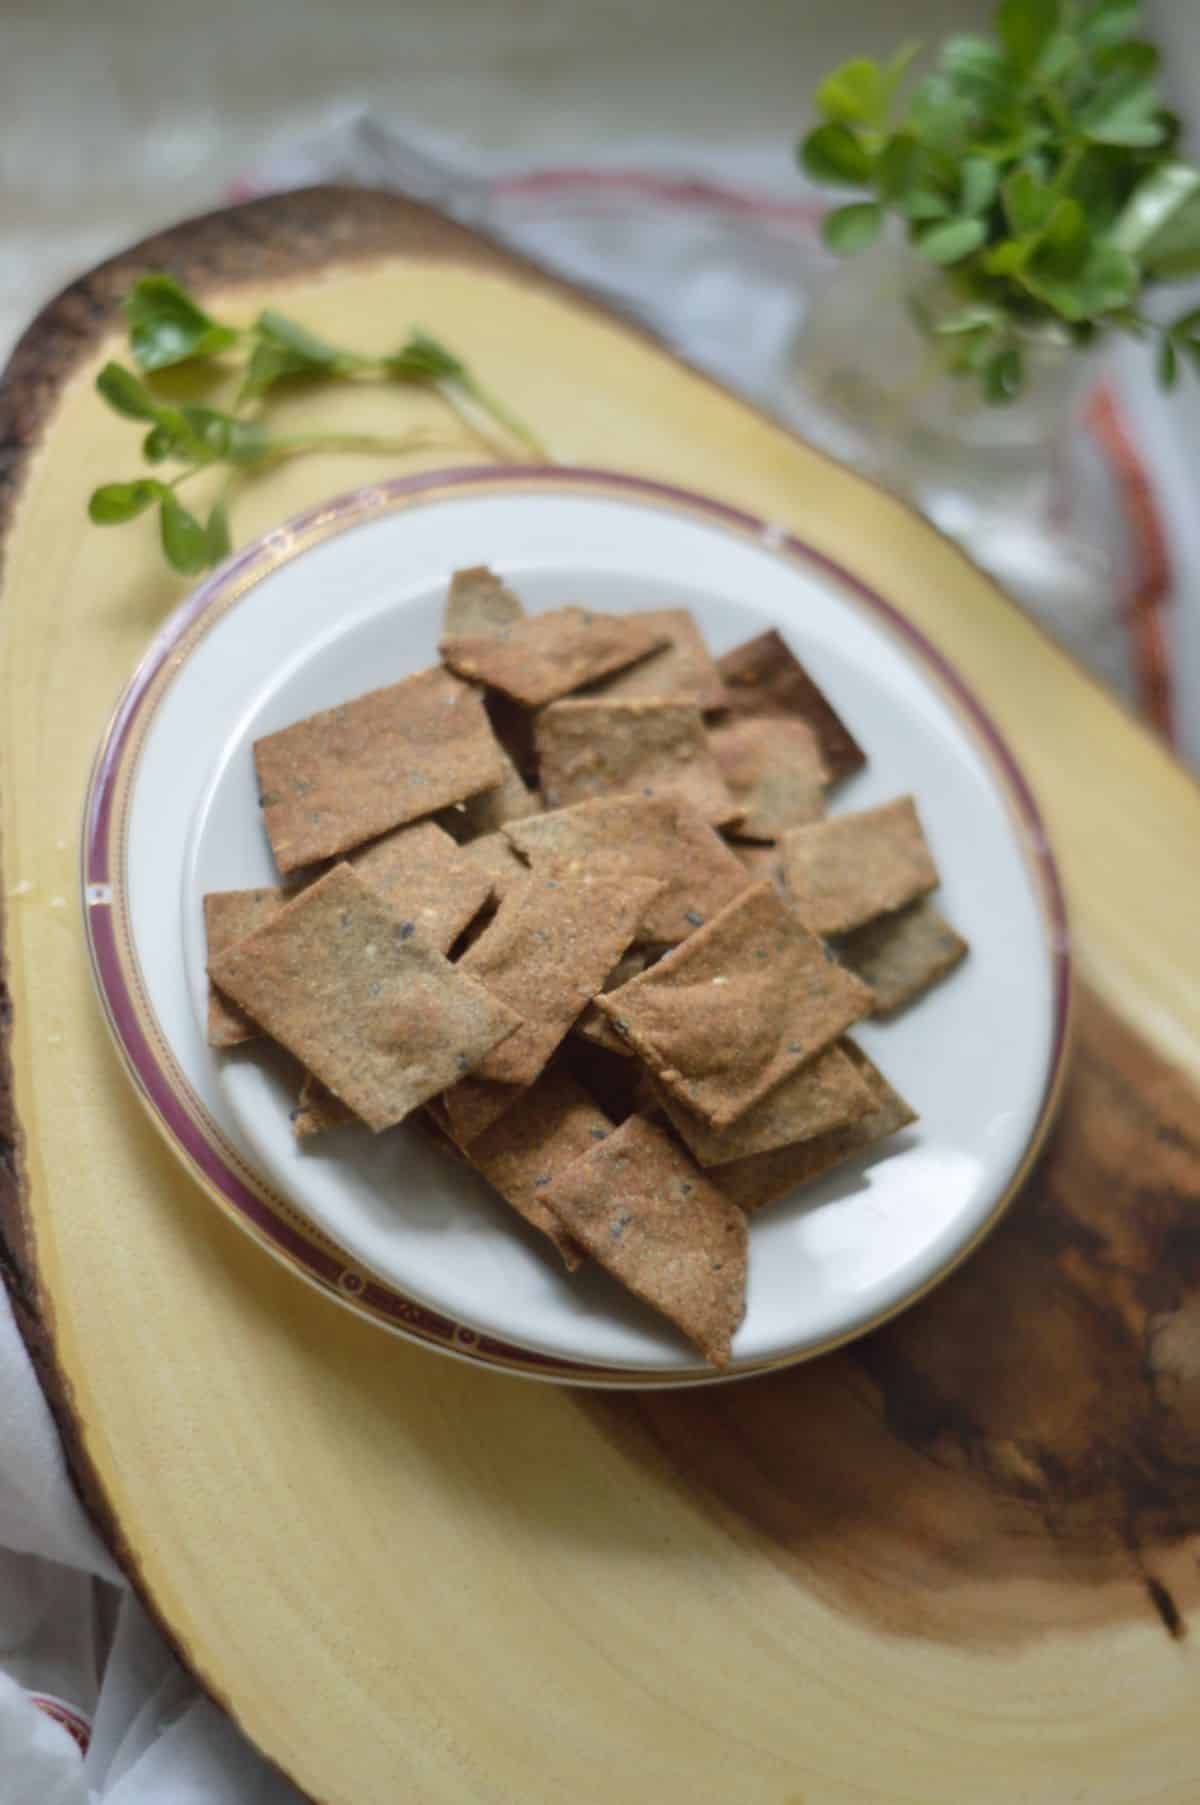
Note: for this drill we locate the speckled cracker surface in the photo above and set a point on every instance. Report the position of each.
(761, 861)
(550, 1125)
(683, 669)
(639, 836)
(774, 771)
(850, 868)
(511, 800)
(426, 879)
(597, 747)
(478, 604)
(592, 1025)
(548, 655)
(902, 954)
(374, 1011)
(646, 1213)
(736, 1009)
(229, 915)
(827, 1092)
(764, 677)
(348, 774)
(493, 855)
(765, 1177)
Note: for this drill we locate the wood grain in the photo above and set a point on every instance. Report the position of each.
(953, 1563)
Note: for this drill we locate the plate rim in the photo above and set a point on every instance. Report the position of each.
(269, 1218)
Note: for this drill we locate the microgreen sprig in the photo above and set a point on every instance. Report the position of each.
(1037, 167)
(168, 329)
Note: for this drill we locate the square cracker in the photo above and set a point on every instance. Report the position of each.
(551, 1124)
(827, 1092)
(902, 954)
(645, 1212)
(764, 677)
(487, 813)
(364, 1001)
(762, 1178)
(548, 655)
(683, 669)
(348, 774)
(597, 747)
(774, 771)
(639, 836)
(736, 1009)
(547, 952)
(851, 868)
(426, 879)
(229, 915)
(478, 604)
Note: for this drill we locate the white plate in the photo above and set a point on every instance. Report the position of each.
(350, 598)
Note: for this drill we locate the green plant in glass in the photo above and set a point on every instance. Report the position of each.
(1036, 168)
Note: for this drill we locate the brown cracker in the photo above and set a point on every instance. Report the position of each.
(548, 655)
(478, 604)
(760, 861)
(486, 813)
(764, 1177)
(595, 1027)
(774, 771)
(229, 915)
(368, 1005)
(348, 774)
(495, 858)
(646, 1212)
(736, 1009)
(426, 879)
(639, 836)
(598, 747)
(683, 669)
(849, 869)
(827, 1092)
(902, 954)
(317, 1110)
(764, 677)
(551, 1124)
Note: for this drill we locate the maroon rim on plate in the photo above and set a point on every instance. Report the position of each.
(270, 1219)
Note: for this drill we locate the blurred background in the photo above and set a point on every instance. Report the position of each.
(118, 118)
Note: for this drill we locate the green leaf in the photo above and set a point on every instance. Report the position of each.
(855, 93)
(184, 539)
(977, 68)
(158, 444)
(848, 230)
(1063, 244)
(978, 182)
(114, 503)
(1168, 362)
(1174, 251)
(1059, 57)
(1122, 111)
(1157, 199)
(168, 327)
(216, 533)
(833, 154)
(923, 203)
(1025, 27)
(1004, 375)
(315, 353)
(1028, 203)
(425, 359)
(1108, 21)
(125, 394)
(1137, 63)
(1107, 281)
(952, 240)
(1010, 255)
(283, 349)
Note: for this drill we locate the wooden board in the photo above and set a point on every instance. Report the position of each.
(952, 1563)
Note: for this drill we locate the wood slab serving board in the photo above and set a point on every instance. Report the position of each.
(950, 1565)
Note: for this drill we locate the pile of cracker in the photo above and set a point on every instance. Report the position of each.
(573, 899)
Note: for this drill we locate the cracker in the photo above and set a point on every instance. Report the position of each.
(597, 747)
(765, 1177)
(317, 1110)
(487, 813)
(546, 954)
(774, 771)
(639, 836)
(348, 774)
(592, 1025)
(552, 1123)
(827, 1092)
(548, 655)
(495, 858)
(764, 677)
(646, 1213)
(364, 1001)
(683, 669)
(736, 1009)
(902, 954)
(426, 879)
(229, 915)
(478, 604)
(847, 870)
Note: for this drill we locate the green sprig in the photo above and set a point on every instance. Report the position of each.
(1037, 168)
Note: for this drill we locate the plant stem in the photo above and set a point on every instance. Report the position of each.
(502, 415)
(385, 444)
